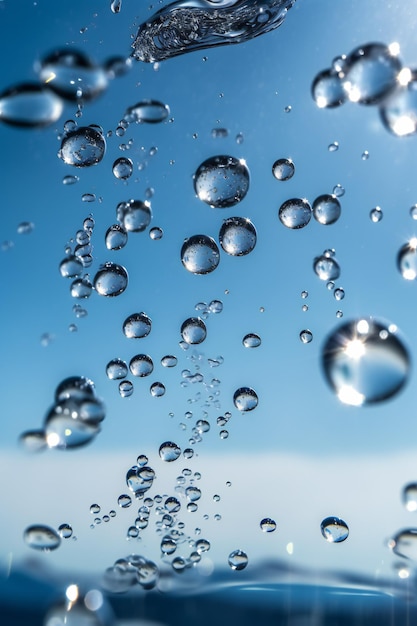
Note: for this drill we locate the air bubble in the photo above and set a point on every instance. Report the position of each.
(334, 529)
(116, 369)
(126, 388)
(407, 260)
(83, 147)
(169, 451)
(137, 326)
(326, 267)
(134, 215)
(30, 106)
(237, 236)
(268, 525)
(295, 213)
(141, 365)
(115, 237)
(238, 560)
(122, 168)
(326, 209)
(245, 399)
(306, 336)
(327, 89)
(111, 280)
(283, 169)
(157, 389)
(376, 215)
(251, 340)
(409, 497)
(148, 111)
(200, 254)
(41, 537)
(193, 330)
(222, 181)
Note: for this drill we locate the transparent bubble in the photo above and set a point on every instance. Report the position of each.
(338, 190)
(70, 180)
(333, 147)
(326, 267)
(72, 75)
(141, 365)
(371, 73)
(148, 111)
(147, 573)
(123, 168)
(88, 197)
(172, 505)
(83, 147)
(327, 89)
(193, 494)
(75, 388)
(326, 209)
(116, 369)
(365, 362)
(156, 233)
(111, 280)
(33, 440)
(200, 254)
(295, 213)
(409, 497)
(169, 360)
(268, 525)
(124, 501)
(219, 133)
(71, 266)
(41, 537)
(215, 306)
(81, 288)
(134, 215)
(238, 560)
(117, 66)
(30, 106)
(404, 543)
(399, 110)
(407, 260)
(251, 340)
(306, 336)
(222, 181)
(139, 479)
(73, 328)
(65, 531)
(413, 212)
(283, 169)
(25, 228)
(64, 427)
(376, 215)
(237, 236)
(95, 509)
(339, 293)
(334, 529)
(157, 389)
(169, 451)
(245, 399)
(115, 6)
(137, 326)
(115, 237)
(193, 330)
(365, 155)
(126, 388)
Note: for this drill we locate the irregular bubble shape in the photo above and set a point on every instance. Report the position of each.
(365, 362)
(188, 25)
(295, 213)
(81, 288)
(326, 209)
(123, 168)
(398, 110)
(25, 228)
(72, 75)
(63, 431)
(65, 531)
(148, 111)
(115, 237)
(327, 89)
(157, 389)
(41, 537)
(117, 66)
(141, 365)
(338, 190)
(88, 197)
(334, 529)
(169, 360)
(192, 493)
(139, 479)
(172, 504)
(333, 147)
(407, 260)
(326, 267)
(75, 388)
(156, 233)
(33, 440)
(237, 236)
(193, 330)
(268, 525)
(115, 6)
(404, 543)
(306, 336)
(251, 340)
(147, 573)
(222, 181)
(376, 214)
(70, 180)
(83, 147)
(70, 267)
(238, 560)
(169, 451)
(126, 388)
(245, 399)
(339, 293)
(111, 280)
(137, 326)
(200, 254)
(29, 106)
(371, 73)
(116, 369)
(134, 215)
(215, 306)
(283, 169)
(409, 497)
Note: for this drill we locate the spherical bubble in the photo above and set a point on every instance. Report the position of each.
(326, 209)
(169, 360)
(283, 169)
(306, 336)
(71, 266)
(169, 451)
(116, 369)
(123, 168)
(115, 237)
(141, 365)
(81, 288)
(251, 340)
(327, 89)
(139, 479)
(126, 388)
(222, 181)
(148, 111)
(399, 110)
(156, 233)
(83, 147)
(137, 326)
(65, 531)
(371, 73)
(111, 280)
(376, 214)
(326, 267)
(134, 215)
(268, 525)
(30, 106)
(63, 431)
(295, 213)
(245, 399)
(334, 529)
(237, 236)
(215, 306)
(238, 560)
(193, 330)
(407, 260)
(157, 389)
(365, 362)
(124, 501)
(41, 537)
(409, 497)
(200, 254)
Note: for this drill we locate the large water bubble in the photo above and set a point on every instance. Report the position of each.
(111, 280)
(238, 560)
(365, 362)
(29, 105)
(41, 537)
(137, 326)
(141, 365)
(237, 236)
(116, 237)
(399, 110)
(200, 254)
(193, 330)
(326, 209)
(295, 213)
(327, 89)
(135, 215)
(245, 399)
(222, 181)
(326, 267)
(83, 147)
(283, 169)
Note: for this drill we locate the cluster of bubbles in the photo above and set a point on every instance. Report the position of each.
(45, 538)
(296, 213)
(372, 74)
(73, 420)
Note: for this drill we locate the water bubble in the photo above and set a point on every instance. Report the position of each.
(141, 365)
(65, 531)
(115, 237)
(404, 543)
(95, 509)
(124, 501)
(29, 105)
(134, 215)
(200, 254)
(169, 451)
(169, 360)
(413, 212)
(306, 336)
(407, 260)
(251, 340)
(376, 215)
(326, 209)
(222, 181)
(295, 213)
(283, 169)
(215, 306)
(333, 147)
(73, 328)
(193, 330)
(327, 89)
(326, 267)
(140, 479)
(364, 361)
(149, 111)
(117, 66)
(65, 427)
(70, 180)
(238, 560)
(88, 223)
(115, 6)
(81, 288)
(126, 388)
(339, 293)
(219, 133)
(83, 147)
(339, 314)
(88, 197)
(371, 73)
(116, 369)
(157, 389)
(111, 280)
(399, 110)
(75, 388)
(268, 525)
(338, 190)
(33, 440)
(245, 399)
(409, 497)
(334, 529)
(71, 266)
(123, 168)
(41, 537)
(156, 233)
(25, 228)
(192, 493)
(137, 326)
(237, 236)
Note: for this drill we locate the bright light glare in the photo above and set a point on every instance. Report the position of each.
(355, 349)
(52, 440)
(394, 48)
(349, 395)
(404, 76)
(362, 327)
(72, 593)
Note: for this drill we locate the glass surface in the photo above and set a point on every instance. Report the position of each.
(229, 254)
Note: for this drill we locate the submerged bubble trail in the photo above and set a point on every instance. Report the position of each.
(185, 26)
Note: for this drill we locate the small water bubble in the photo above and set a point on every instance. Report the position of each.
(95, 509)
(295, 213)
(79, 311)
(88, 197)
(122, 168)
(237, 236)
(134, 215)
(72, 328)
(141, 365)
(157, 389)
(327, 89)
(333, 147)
(65, 531)
(116, 369)
(240, 138)
(338, 190)
(376, 215)
(126, 388)
(115, 6)
(219, 133)
(70, 180)
(148, 111)
(137, 326)
(339, 314)
(115, 237)
(25, 228)
(288, 108)
(124, 501)
(326, 209)
(142, 460)
(304, 308)
(251, 340)
(111, 280)
(192, 493)
(169, 451)
(193, 330)
(304, 294)
(306, 336)
(169, 360)
(334, 529)
(156, 233)
(83, 147)
(245, 399)
(326, 268)
(413, 212)
(41, 537)
(238, 560)
(268, 525)
(222, 181)
(283, 169)
(409, 497)
(407, 260)
(30, 106)
(339, 293)
(365, 155)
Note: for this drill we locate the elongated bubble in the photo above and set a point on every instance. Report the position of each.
(29, 105)
(189, 25)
